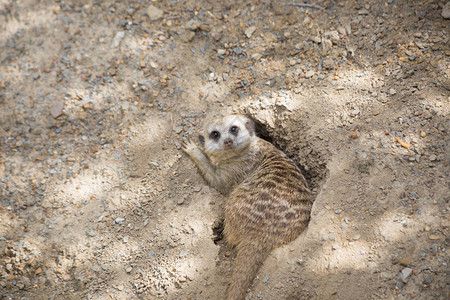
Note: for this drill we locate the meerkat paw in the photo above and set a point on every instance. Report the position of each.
(189, 147)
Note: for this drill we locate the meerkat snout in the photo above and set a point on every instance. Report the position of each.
(228, 142)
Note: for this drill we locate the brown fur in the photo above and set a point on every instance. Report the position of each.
(269, 202)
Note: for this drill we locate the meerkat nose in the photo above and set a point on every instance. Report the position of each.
(228, 142)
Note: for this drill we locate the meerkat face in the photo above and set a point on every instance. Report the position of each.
(227, 137)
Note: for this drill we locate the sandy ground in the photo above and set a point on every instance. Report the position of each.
(99, 202)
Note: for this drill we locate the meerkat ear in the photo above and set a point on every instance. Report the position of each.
(250, 125)
(201, 138)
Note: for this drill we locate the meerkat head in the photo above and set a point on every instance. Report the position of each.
(227, 137)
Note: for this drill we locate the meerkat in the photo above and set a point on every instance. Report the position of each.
(268, 200)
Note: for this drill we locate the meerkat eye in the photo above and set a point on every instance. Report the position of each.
(215, 135)
(234, 130)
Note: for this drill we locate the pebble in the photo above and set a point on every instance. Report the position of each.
(434, 237)
(249, 31)
(178, 129)
(193, 24)
(117, 39)
(221, 51)
(406, 272)
(154, 13)
(328, 64)
(57, 109)
(309, 74)
(119, 220)
(256, 56)
(392, 92)
(446, 11)
(334, 35)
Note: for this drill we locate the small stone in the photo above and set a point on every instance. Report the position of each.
(117, 39)
(9, 267)
(354, 112)
(433, 157)
(334, 35)
(91, 233)
(154, 13)
(446, 11)
(356, 237)
(433, 237)
(423, 134)
(375, 112)
(342, 30)
(406, 261)
(354, 135)
(309, 74)
(256, 56)
(193, 24)
(316, 39)
(57, 109)
(363, 12)
(66, 277)
(178, 129)
(326, 45)
(180, 201)
(187, 36)
(129, 269)
(249, 31)
(427, 228)
(392, 92)
(119, 220)
(406, 272)
(221, 51)
(328, 64)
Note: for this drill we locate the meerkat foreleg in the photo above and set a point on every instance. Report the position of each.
(203, 163)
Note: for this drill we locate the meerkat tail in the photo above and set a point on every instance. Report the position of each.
(250, 256)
